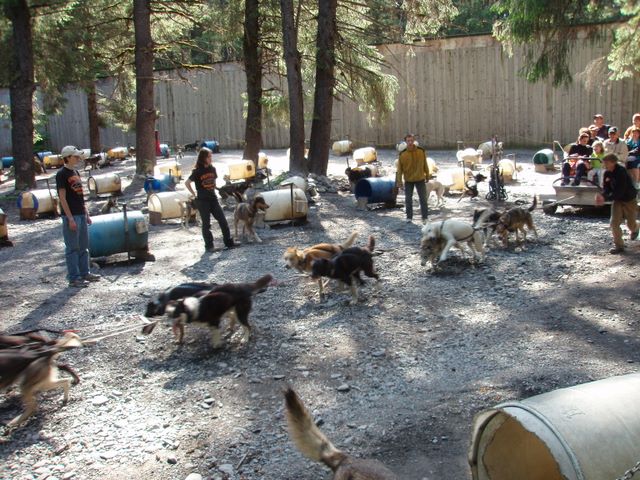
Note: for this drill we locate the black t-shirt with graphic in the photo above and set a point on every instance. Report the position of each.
(71, 181)
(205, 180)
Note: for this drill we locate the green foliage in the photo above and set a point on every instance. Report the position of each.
(543, 28)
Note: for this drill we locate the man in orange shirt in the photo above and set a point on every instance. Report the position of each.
(412, 167)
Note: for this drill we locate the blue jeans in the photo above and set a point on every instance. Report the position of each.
(76, 247)
(421, 188)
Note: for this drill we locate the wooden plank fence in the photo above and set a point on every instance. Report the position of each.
(463, 88)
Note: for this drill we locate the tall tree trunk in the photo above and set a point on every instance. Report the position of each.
(145, 109)
(21, 93)
(253, 70)
(325, 82)
(94, 123)
(297, 163)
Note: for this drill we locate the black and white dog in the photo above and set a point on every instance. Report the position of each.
(212, 307)
(157, 307)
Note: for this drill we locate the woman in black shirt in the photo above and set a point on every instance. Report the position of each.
(204, 176)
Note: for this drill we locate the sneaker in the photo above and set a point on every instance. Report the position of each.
(634, 235)
(78, 283)
(616, 250)
(91, 277)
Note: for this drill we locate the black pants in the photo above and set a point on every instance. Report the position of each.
(208, 207)
(581, 171)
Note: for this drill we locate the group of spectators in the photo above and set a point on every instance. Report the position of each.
(597, 140)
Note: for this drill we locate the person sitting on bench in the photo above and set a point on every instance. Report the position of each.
(577, 161)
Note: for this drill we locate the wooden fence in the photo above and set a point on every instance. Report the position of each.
(463, 88)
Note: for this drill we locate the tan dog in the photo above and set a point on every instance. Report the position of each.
(36, 370)
(515, 219)
(246, 213)
(302, 260)
(314, 445)
(438, 188)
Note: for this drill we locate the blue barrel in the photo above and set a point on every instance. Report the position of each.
(41, 155)
(376, 189)
(7, 162)
(107, 234)
(159, 183)
(543, 157)
(212, 145)
(164, 150)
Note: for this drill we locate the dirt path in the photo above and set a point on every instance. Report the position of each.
(398, 377)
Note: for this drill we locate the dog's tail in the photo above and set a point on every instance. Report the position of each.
(262, 283)
(481, 222)
(533, 205)
(371, 244)
(307, 436)
(349, 241)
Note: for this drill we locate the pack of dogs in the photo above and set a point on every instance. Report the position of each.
(30, 360)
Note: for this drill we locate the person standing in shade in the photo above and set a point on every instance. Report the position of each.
(75, 219)
(413, 169)
(619, 189)
(204, 176)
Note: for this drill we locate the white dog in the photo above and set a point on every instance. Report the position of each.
(438, 188)
(455, 232)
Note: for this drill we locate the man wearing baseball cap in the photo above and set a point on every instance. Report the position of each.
(75, 219)
(614, 145)
(619, 189)
(602, 128)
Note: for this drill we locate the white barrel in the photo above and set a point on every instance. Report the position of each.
(508, 169)
(173, 168)
(118, 152)
(281, 206)
(342, 146)
(44, 201)
(586, 432)
(469, 157)
(365, 155)
(239, 170)
(106, 183)
(433, 167)
(454, 178)
(53, 161)
(402, 146)
(296, 180)
(167, 204)
(263, 160)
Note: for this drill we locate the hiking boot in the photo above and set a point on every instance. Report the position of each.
(408, 220)
(634, 235)
(209, 249)
(92, 277)
(616, 250)
(78, 283)
(231, 245)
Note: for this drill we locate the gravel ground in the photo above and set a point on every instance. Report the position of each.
(397, 377)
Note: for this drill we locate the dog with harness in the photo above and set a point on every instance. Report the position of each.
(450, 232)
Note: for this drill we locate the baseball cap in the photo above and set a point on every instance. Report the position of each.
(598, 115)
(613, 130)
(70, 150)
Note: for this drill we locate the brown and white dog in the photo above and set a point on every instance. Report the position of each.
(346, 267)
(515, 219)
(35, 369)
(212, 307)
(314, 445)
(246, 213)
(302, 260)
